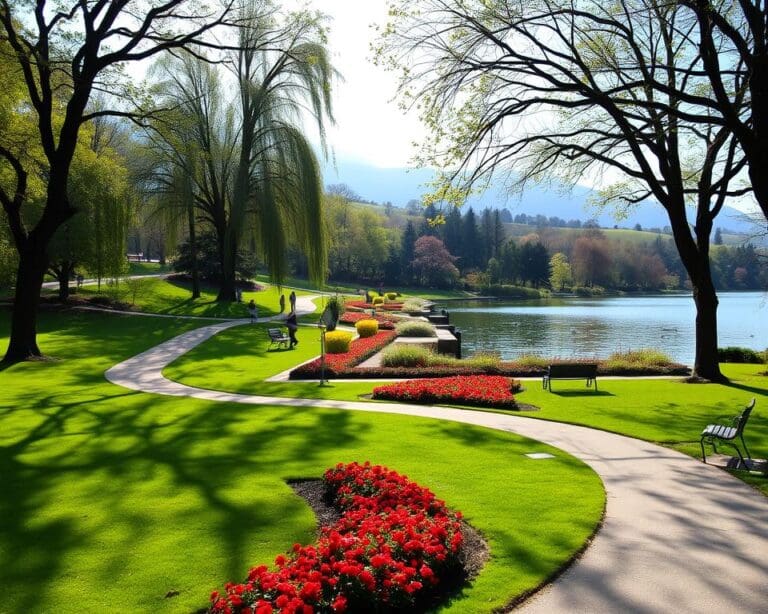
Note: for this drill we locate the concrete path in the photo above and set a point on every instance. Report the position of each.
(679, 536)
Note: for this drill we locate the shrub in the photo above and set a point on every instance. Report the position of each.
(646, 357)
(391, 296)
(508, 291)
(414, 304)
(405, 355)
(377, 300)
(351, 317)
(743, 355)
(415, 329)
(337, 342)
(532, 360)
(367, 328)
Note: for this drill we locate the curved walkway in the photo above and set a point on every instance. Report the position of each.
(678, 536)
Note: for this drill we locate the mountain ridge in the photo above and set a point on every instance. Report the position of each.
(401, 185)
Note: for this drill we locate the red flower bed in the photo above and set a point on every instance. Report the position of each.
(359, 350)
(351, 317)
(481, 390)
(393, 544)
(369, 306)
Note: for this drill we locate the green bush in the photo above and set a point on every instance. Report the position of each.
(367, 328)
(415, 329)
(743, 355)
(532, 360)
(646, 357)
(591, 291)
(507, 291)
(413, 304)
(405, 355)
(391, 296)
(378, 300)
(337, 342)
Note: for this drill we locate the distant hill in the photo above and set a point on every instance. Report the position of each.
(400, 185)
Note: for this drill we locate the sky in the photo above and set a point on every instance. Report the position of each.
(369, 125)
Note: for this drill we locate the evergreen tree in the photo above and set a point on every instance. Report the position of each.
(470, 238)
(407, 244)
(718, 240)
(452, 232)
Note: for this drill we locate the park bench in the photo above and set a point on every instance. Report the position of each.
(278, 337)
(571, 370)
(726, 434)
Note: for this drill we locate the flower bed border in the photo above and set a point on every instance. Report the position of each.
(394, 546)
(336, 364)
(494, 391)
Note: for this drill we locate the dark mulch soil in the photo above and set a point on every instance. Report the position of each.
(474, 554)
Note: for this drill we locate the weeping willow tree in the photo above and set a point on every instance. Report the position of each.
(252, 172)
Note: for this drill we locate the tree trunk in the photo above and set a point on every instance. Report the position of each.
(707, 364)
(195, 272)
(29, 281)
(228, 256)
(694, 255)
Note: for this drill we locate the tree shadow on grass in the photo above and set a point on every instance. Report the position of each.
(87, 469)
(581, 393)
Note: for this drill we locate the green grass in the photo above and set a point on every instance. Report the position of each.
(147, 268)
(174, 298)
(665, 411)
(114, 500)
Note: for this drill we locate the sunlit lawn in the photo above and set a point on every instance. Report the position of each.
(114, 500)
(663, 411)
(155, 295)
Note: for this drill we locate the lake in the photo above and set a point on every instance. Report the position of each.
(597, 327)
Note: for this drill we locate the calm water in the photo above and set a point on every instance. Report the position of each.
(597, 327)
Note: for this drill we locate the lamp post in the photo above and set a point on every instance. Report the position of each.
(322, 328)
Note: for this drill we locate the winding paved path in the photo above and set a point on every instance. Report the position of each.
(679, 536)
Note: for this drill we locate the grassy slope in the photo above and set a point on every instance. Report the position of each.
(130, 502)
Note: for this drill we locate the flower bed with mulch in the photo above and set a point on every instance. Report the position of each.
(352, 317)
(336, 364)
(393, 547)
(479, 390)
(369, 306)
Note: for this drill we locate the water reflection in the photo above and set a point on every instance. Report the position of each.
(588, 328)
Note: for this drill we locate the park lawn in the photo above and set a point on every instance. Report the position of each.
(162, 296)
(664, 411)
(115, 500)
(148, 268)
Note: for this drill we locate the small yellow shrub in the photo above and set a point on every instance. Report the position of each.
(337, 342)
(367, 328)
(378, 300)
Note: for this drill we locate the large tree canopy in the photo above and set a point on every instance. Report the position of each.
(65, 52)
(251, 168)
(569, 89)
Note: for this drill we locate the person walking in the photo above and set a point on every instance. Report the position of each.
(254, 311)
(292, 298)
(292, 323)
(282, 303)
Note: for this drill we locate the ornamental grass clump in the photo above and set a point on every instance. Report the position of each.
(367, 328)
(393, 545)
(405, 355)
(646, 357)
(337, 342)
(414, 304)
(415, 329)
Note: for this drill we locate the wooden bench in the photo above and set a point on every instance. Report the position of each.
(278, 337)
(571, 370)
(726, 434)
